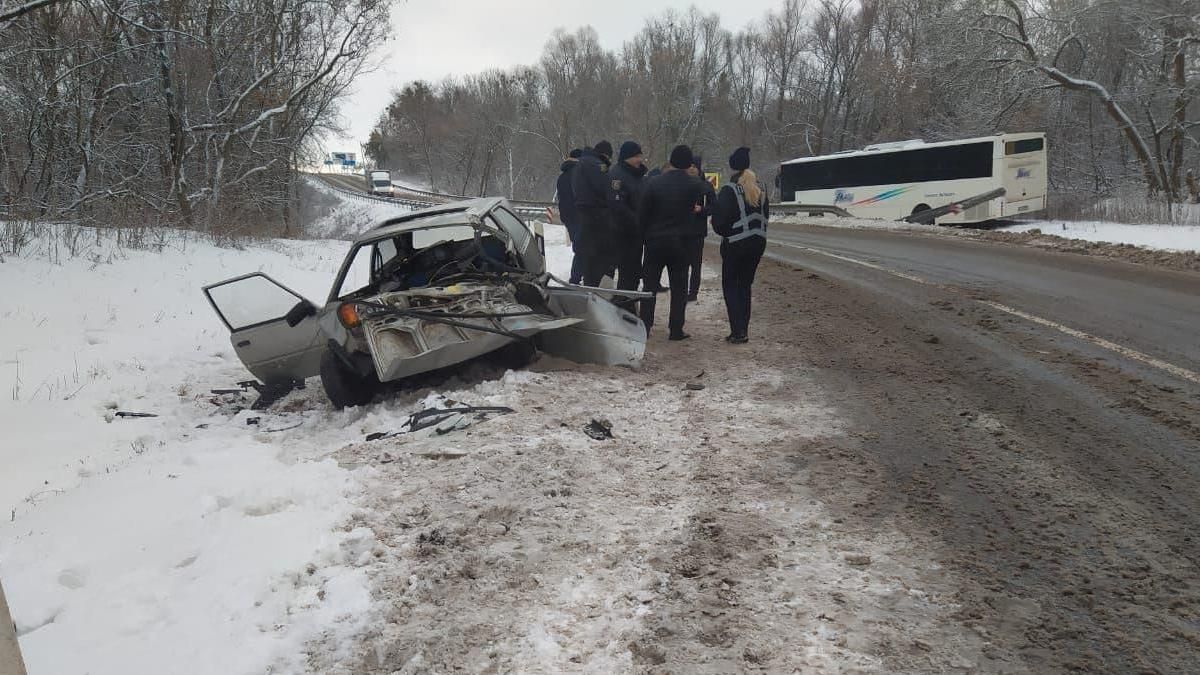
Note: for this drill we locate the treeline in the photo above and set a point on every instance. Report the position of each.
(195, 113)
(1111, 82)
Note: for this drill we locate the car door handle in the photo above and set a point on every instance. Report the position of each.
(244, 343)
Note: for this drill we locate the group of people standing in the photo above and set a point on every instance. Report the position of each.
(629, 224)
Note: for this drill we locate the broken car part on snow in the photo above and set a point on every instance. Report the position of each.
(419, 293)
(444, 420)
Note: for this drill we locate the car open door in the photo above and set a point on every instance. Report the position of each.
(607, 334)
(258, 311)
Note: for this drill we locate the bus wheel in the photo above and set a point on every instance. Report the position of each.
(919, 208)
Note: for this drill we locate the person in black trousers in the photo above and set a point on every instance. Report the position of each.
(567, 212)
(597, 236)
(697, 244)
(626, 181)
(667, 213)
(740, 216)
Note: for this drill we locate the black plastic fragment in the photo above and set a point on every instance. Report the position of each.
(600, 430)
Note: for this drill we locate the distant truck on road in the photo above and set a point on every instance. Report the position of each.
(966, 181)
(380, 183)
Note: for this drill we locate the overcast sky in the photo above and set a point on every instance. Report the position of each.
(435, 38)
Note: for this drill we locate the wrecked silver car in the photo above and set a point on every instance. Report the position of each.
(419, 293)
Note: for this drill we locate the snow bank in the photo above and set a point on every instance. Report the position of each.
(1165, 237)
(188, 542)
(207, 539)
(336, 216)
(856, 223)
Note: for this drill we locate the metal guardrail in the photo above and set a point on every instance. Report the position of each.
(929, 215)
(418, 199)
(791, 209)
(424, 198)
(517, 203)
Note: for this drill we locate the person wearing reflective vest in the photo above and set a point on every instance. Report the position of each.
(740, 216)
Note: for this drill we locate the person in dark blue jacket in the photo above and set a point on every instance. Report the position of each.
(626, 181)
(667, 213)
(567, 212)
(597, 236)
(740, 217)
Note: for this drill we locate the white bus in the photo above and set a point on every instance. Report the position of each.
(894, 181)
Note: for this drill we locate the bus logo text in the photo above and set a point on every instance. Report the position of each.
(842, 196)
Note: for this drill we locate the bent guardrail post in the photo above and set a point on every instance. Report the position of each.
(10, 652)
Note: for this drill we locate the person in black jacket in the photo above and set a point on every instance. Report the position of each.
(626, 180)
(597, 237)
(667, 213)
(567, 212)
(697, 244)
(740, 217)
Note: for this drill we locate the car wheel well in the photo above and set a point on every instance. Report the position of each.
(344, 387)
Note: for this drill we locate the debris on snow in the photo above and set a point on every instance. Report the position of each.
(600, 430)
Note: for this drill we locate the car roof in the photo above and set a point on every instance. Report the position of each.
(455, 213)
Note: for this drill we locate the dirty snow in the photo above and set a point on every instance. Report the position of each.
(856, 223)
(213, 539)
(1165, 237)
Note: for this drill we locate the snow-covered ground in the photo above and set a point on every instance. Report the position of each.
(337, 217)
(202, 540)
(1166, 237)
(178, 543)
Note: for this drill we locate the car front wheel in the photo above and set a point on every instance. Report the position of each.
(344, 387)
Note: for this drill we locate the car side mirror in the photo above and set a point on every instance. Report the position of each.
(300, 312)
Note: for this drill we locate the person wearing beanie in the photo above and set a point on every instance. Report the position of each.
(740, 159)
(681, 158)
(597, 237)
(701, 231)
(568, 213)
(626, 179)
(667, 214)
(740, 217)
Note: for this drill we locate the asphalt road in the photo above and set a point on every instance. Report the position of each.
(1154, 312)
(1038, 413)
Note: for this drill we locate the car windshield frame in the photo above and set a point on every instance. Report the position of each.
(477, 224)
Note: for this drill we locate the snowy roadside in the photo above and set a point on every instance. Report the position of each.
(691, 540)
(212, 539)
(1181, 238)
(1162, 237)
(334, 216)
(134, 545)
(207, 535)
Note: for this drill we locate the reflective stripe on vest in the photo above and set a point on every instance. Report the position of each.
(748, 221)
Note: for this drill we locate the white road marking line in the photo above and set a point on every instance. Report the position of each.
(1127, 352)
(1099, 341)
(902, 275)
